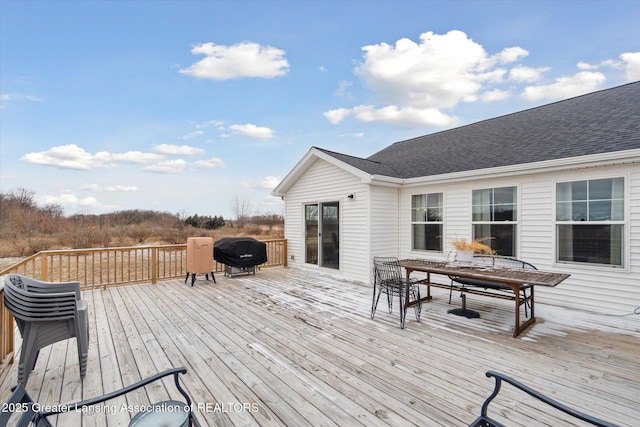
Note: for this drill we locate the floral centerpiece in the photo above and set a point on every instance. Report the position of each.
(466, 249)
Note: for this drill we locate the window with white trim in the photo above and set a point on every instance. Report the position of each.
(494, 218)
(426, 222)
(590, 221)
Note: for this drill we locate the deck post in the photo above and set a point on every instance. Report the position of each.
(154, 265)
(285, 253)
(44, 275)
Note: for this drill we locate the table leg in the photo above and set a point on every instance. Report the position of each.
(518, 328)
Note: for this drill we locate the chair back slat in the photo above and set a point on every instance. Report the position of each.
(37, 286)
(29, 306)
(502, 262)
(388, 270)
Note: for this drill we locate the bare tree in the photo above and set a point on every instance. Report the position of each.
(241, 209)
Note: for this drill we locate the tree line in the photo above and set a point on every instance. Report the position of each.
(26, 227)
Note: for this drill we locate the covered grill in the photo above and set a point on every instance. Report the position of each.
(239, 254)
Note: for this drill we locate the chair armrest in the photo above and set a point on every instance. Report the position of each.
(549, 401)
(89, 402)
(82, 305)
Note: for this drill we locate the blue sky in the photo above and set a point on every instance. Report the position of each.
(184, 106)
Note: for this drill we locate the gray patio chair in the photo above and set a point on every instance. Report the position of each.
(23, 410)
(45, 314)
(388, 279)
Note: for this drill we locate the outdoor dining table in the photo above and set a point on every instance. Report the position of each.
(510, 277)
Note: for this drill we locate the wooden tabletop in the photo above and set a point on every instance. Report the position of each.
(492, 274)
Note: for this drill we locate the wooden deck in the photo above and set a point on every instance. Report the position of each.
(288, 347)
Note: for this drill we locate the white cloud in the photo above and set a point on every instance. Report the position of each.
(121, 188)
(90, 187)
(73, 157)
(606, 63)
(416, 82)
(436, 73)
(69, 200)
(632, 65)
(523, 74)
(403, 116)
(167, 166)
(133, 157)
(337, 115)
(566, 87)
(110, 188)
(629, 61)
(343, 90)
(586, 66)
(7, 98)
(211, 163)
(192, 135)
(237, 61)
(211, 123)
(252, 131)
(177, 150)
(270, 182)
(67, 157)
(511, 54)
(494, 95)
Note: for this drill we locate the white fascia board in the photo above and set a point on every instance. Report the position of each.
(569, 163)
(309, 158)
(385, 181)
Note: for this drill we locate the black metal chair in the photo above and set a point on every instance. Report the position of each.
(388, 279)
(484, 420)
(28, 412)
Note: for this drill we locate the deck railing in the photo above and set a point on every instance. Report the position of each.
(103, 267)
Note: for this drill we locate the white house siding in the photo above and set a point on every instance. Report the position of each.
(384, 222)
(324, 182)
(594, 288)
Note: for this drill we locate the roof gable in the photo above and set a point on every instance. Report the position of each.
(359, 167)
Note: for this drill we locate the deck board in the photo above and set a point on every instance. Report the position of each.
(294, 347)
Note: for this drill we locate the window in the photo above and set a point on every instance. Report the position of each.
(426, 221)
(590, 221)
(494, 218)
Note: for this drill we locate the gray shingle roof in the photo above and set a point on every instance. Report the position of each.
(599, 122)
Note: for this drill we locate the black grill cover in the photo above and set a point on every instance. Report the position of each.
(241, 252)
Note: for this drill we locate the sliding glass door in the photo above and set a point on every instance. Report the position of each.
(322, 234)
